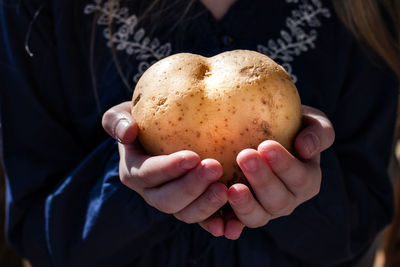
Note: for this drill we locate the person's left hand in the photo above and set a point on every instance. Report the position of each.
(280, 181)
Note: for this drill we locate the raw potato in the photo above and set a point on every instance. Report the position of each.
(216, 106)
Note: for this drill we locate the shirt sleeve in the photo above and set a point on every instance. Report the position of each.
(355, 200)
(65, 203)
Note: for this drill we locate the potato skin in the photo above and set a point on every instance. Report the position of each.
(216, 106)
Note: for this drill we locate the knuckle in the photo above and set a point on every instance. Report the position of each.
(142, 176)
(283, 166)
(213, 197)
(212, 201)
(257, 224)
(287, 212)
(161, 204)
(279, 207)
(264, 182)
(183, 218)
(300, 181)
(190, 191)
(245, 210)
(125, 179)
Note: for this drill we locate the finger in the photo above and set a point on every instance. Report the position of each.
(119, 124)
(303, 179)
(145, 171)
(246, 208)
(206, 205)
(177, 194)
(270, 191)
(213, 225)
(233, 228)
(317, 135)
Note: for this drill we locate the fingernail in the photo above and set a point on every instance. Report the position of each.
(209, 172)
(238, 199)
(250, 165)
(311, 142)
(120, 129)
(271, 155)
(189, 163)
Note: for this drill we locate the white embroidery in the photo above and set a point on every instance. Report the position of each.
(296, 39)
(127, 37)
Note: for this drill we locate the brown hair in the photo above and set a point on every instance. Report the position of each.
(375, 23)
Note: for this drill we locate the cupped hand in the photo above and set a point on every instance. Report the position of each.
(180, 183)
(280, 181)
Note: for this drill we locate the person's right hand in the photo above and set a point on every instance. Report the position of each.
(179, 183)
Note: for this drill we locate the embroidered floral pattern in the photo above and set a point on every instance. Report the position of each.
(299, 36)
(127, 36)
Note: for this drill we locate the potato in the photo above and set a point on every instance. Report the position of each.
(216, 106)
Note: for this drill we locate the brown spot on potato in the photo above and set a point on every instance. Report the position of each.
(198, 134)
(265, 128)
(137, 99)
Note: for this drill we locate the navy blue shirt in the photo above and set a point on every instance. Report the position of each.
(65, 203)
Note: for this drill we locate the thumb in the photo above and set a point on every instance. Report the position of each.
(316, 136)
(119, 124)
